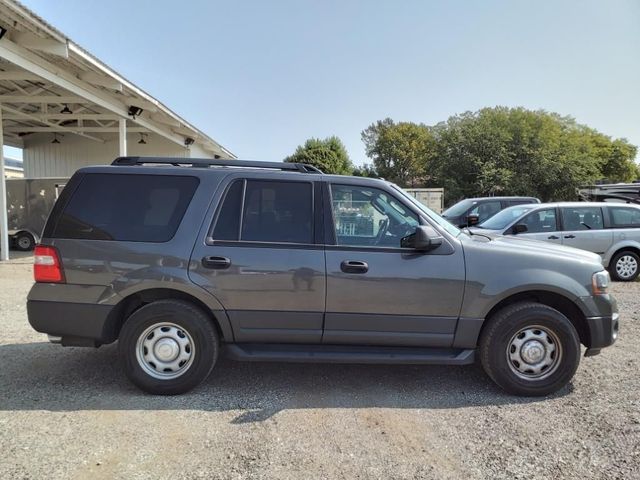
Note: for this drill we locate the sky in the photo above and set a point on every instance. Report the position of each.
(260, 77)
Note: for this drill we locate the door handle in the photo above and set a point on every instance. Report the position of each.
(553, 237)
(218, 263)
(354, 266)
(569, 236)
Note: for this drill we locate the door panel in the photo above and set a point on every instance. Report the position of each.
(542, 225)
(402, 297)
(263, 265)
(270, 294)
(584, 229)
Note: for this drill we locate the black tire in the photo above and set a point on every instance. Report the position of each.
(24, 242)
(620, 256)
(497, 344)
(191, 323)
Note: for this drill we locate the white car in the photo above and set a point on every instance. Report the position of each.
(609, 229)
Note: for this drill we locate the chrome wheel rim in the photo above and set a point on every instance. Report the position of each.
(626, 266)
(534, 353)
(165, 351)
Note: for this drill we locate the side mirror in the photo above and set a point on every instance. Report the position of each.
(519, 228)
(424, 239)
(473, 219)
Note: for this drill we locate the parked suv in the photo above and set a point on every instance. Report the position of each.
(471, 211)
(612, 230)
(181, 260)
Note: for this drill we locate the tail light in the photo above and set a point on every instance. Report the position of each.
(47, 267)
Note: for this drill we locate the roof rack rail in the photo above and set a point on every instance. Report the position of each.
(210, 162)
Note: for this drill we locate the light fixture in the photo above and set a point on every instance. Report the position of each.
(188, 141)
(216, 156)
(66, 109)
(135, 111)
(55, 138)
(142, 141)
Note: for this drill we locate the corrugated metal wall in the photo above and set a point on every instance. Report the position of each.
(45, 159)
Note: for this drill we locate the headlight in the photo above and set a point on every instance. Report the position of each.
(600, 282)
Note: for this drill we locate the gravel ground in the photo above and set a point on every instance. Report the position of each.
(70, 413)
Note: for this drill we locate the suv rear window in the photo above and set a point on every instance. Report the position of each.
(137, 208)
(272, 211)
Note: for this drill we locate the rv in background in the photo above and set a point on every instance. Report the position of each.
(612, 192)
(29, 202)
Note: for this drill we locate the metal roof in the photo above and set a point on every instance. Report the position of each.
(48, 83)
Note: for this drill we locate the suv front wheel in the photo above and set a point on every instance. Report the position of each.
(530, 349)
(168, 347)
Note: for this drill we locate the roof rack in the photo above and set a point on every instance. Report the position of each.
(209, 162)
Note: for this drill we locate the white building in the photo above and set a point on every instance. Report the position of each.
(67, 109)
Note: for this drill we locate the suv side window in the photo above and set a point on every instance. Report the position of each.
(624, 217)
(266, 211)
(582, 218)
(369, 217)
(136, 208)
(541, 221)
(486, 210)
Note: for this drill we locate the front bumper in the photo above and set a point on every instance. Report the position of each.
(603, 331)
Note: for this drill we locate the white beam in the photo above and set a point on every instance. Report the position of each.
(71, 129)
(97, 79)
(157, 117)
(58, 76)
(122, 137)
(4, 223)
(143, 104)
(8, 98)
(50, 127)
(34, 42)
(62, 116)
(18, 75)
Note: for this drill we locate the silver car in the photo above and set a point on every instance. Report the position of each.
(612, 230)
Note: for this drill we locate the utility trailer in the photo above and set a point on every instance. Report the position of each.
(612, 192)
(29, 201)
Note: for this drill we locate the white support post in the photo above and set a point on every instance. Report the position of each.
(4, 223)
(122, 136)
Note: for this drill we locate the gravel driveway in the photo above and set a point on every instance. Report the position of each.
(70, 413)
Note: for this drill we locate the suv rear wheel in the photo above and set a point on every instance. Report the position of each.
(168, 347)
(530, 349)
(624, 266)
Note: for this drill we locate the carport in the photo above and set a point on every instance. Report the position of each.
(67, 109)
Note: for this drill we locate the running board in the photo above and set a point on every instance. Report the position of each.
(252, 352)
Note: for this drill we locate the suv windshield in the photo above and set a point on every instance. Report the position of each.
(459, 208)
(453, 230)
(502, 219)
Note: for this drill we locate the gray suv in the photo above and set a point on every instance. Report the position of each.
(612, 230)
(181, 260)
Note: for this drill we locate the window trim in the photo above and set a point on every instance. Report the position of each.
(66, 201)
(605, 226)
(559, 224)
(609, 217)
(332, 227)
(255, 243)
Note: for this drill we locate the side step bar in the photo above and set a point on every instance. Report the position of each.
(249, 352)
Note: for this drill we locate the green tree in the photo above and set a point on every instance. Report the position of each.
(329, 155)
(500, 151)
(400, 151)
(365, 170)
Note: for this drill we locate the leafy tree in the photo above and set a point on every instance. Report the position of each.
(400, 151)
(365, 170)
(499, 151)
(329, 155)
